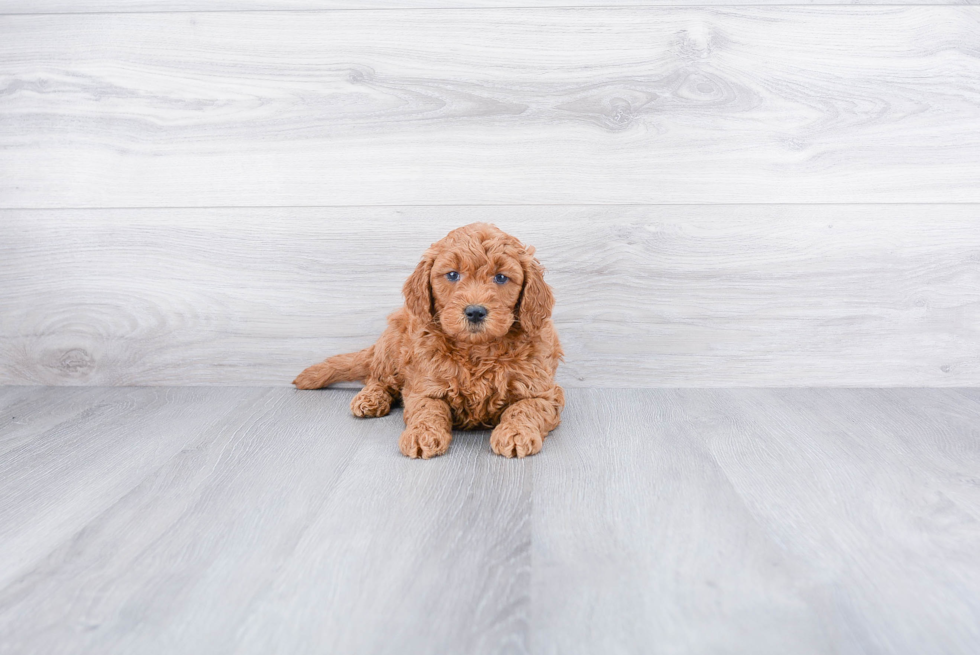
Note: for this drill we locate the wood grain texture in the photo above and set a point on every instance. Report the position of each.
(769, 295)
(406, 558)
(60, 480)
(854, 465)
(286, 526)
(640, 540)
(529, 106)
(757, 521)
(140, 6)
(26, 412)
(270, 520)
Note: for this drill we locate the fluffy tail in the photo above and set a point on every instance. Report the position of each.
(339, 368)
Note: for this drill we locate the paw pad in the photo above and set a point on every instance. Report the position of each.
(513, 441)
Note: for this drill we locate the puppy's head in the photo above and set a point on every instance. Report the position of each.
(476, 282)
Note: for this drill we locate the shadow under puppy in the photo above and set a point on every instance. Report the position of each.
(473, 347)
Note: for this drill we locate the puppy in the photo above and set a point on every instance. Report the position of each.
(473, 347)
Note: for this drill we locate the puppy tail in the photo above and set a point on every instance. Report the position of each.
(339, 368)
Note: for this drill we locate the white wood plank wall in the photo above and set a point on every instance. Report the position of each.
(513, 106)
(722, 195)
(140, 6)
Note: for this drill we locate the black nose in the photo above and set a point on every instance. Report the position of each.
(475, 313)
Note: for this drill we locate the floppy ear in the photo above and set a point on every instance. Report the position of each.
(418, 290)
(537, 300)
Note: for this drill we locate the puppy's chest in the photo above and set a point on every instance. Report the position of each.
(477, 395)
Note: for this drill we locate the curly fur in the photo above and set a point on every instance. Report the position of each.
(449, 372)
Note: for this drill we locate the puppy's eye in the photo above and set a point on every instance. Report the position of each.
(500, 278)
(452, 276)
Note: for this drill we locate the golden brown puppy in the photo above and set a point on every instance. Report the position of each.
(473, 347)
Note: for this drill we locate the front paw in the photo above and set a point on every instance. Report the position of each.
(512, 440)
(418, 441)
(371, 402)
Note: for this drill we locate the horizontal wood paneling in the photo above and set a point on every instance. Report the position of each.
(529, 106)
(139, 6)
(765, 295)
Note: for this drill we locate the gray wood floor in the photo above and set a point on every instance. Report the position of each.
(218, 520)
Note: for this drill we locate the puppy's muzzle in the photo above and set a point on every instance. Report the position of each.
(475, 314)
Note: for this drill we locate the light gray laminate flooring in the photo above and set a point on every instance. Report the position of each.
(266, 520)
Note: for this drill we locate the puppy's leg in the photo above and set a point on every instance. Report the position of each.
(372, 401)
(339, 368)
(383, 385)
(523, 427)
(428, 427)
